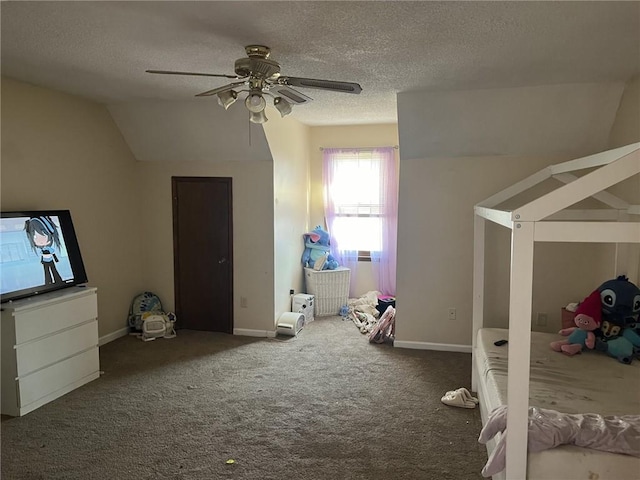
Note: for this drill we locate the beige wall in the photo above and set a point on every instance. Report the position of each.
(122, 208)
(122, 211)
(336, 137)
(289, 144)
(59, 151)
(626, 130)
(253, 272)
(542, 120)
(435, 251)
(192, 138)
(435, 246)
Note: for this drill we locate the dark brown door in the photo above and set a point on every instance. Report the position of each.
(203, 256)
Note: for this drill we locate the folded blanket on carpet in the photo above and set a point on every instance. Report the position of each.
(363, 312)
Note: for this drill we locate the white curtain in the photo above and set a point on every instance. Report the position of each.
(330, 178)
(361, 205)
(384, 260)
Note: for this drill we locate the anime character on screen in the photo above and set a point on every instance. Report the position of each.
(44, 238)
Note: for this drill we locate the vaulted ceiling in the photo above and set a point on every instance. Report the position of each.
(100, 50)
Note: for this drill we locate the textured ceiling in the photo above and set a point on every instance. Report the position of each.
(100, 50)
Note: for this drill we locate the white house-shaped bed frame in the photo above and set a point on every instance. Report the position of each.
(547, 219)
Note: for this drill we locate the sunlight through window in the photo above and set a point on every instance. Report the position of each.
(356, 192)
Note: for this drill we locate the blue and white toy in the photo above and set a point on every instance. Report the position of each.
(317, 252)
(620, 309)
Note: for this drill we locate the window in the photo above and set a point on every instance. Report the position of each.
(361, 208)
(357, 198)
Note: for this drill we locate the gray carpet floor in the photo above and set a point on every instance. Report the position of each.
(324, 405)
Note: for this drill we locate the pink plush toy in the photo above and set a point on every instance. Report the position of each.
(588, 318)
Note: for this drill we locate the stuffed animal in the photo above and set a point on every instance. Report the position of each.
(317, 252)
(632, 334)
(623, 344)
(588, 318)
(619, 348)
(620, 301)
(618, 337)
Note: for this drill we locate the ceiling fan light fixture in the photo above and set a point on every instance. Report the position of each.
(255, 103)
(282, 106)
(226, 99)
(258, 76)
(258, 117)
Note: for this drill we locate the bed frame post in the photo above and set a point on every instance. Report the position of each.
(627, 255)
(478, 290)
(520, 301)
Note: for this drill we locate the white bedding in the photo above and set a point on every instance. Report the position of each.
(587, 383)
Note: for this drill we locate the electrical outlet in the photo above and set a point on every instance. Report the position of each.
(452, 313)
(291, 291)
(542, 319)
(243, 302)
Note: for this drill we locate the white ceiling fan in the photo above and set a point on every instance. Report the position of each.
(258, 75)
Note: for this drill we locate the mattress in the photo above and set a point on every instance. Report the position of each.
(590, 382)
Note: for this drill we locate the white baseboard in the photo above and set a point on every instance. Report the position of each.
(247, 332)
(236, 331)
(110, 337)
(444, 347)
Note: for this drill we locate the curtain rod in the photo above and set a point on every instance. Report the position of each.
(363, 148)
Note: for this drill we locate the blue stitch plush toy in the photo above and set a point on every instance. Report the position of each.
(317, 252)
(619, 336)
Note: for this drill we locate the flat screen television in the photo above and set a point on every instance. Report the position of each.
(39, 253)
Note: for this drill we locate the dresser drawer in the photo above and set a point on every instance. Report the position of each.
(38, 322)
(56, 377)
(41, 353)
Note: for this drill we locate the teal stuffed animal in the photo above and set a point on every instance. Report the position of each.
(317, 252)
(621, 348)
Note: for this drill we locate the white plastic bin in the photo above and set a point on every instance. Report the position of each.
(330, 288)
(303, 303)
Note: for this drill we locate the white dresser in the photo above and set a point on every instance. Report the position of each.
(49, 347)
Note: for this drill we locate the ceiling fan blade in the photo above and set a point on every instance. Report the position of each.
(345, 87)
(170, 72)
(289, 94)
(215, 91)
